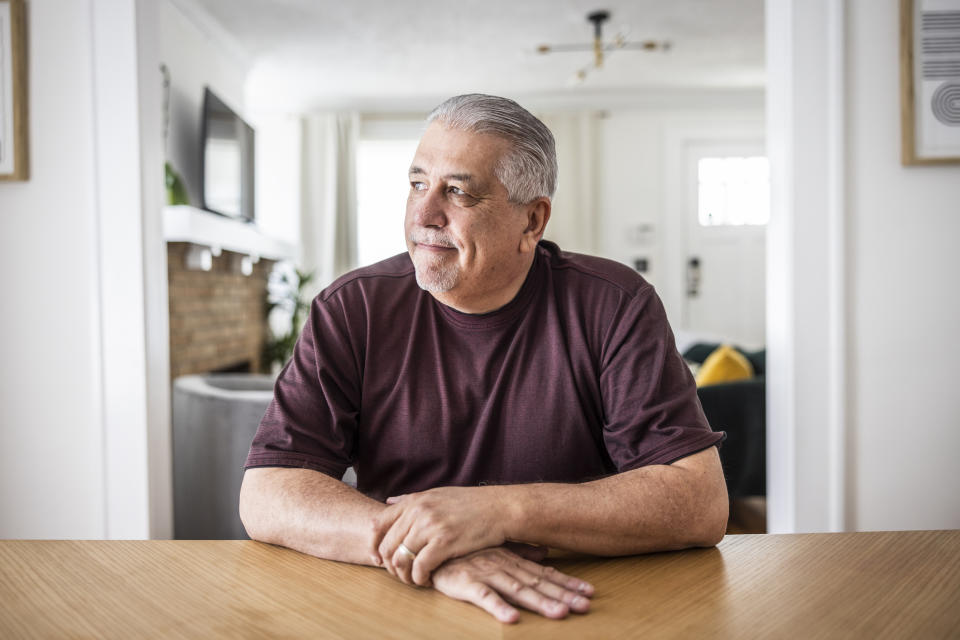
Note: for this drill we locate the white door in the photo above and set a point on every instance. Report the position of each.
(726, 189)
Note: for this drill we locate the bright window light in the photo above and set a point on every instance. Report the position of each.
(382, 187)
(733, 191)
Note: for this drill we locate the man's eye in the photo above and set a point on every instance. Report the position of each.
(457, 191)
(417, 186)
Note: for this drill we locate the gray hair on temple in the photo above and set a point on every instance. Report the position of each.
(529, 170)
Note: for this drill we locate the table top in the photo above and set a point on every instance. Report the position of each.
(871, 585)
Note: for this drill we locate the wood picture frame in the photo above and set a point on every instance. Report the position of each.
(13, 91)
(930, 81)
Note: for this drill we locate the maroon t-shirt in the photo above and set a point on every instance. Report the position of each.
(578, 377)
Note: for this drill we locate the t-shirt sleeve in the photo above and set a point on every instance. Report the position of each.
(651, 411)
(312, 420)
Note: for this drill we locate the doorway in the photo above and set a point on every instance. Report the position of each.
(726, 210)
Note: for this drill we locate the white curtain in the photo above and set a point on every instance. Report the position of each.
(329, 220)
(575, 217)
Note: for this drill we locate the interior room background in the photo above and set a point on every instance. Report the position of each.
(70, 442)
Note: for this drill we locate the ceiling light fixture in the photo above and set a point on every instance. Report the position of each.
(599, 47)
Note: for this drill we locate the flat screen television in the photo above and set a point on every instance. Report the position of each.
(226, 165)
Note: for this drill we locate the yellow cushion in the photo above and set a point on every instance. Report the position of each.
(725, 364)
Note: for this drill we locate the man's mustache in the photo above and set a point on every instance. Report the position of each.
(433, 238)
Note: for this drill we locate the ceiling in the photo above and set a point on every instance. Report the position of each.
(307, 53)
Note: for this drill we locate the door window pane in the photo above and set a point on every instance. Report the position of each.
(733, 191)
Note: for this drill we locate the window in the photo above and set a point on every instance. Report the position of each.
(733, 191)
(382, 187)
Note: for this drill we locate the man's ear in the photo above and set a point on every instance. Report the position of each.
(537, 215)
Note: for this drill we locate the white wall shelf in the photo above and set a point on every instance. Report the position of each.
(183, 223)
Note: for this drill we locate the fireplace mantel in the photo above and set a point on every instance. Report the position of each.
(183, 223)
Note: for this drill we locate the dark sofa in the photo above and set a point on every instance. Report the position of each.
(740, 409)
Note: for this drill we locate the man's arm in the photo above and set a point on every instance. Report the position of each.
(308, 511)
(654, 508)
(313, 513)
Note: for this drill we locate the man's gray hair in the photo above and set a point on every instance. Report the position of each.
(529, 170)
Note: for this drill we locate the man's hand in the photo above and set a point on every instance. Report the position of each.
(493, 578)
(436, 525)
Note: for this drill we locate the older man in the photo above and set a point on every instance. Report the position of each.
(489, 389)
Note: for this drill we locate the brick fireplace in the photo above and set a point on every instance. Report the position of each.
(217, 317)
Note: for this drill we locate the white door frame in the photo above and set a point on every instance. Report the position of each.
(808, 473)
(132, 282)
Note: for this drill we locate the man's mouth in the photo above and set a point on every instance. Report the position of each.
(434, 247)
(433, 244)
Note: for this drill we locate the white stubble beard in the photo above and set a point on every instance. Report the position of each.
(435, 274)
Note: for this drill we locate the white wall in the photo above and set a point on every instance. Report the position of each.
(84, 428)
(863, 419)
(196, 56)
(279, 172)
(51, 440)
(575, 207)
(904, 311)
(199, 54)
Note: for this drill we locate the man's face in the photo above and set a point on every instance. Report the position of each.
(463, 234)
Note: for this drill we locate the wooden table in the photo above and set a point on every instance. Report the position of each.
(869, 585)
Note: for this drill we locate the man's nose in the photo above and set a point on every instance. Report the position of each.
(429, 209)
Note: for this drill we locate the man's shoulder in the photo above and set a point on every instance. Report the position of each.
(387, 273)
(580, 269)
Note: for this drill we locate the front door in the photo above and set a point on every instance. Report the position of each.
(726, 209)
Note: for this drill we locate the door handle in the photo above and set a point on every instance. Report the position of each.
(693, 277)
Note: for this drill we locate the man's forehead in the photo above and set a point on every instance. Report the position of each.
(458, 154)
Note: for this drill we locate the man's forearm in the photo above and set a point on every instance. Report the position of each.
(313, 513)
(308, 511)
(653, 508)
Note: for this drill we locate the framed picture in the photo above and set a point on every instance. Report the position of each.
(930, 81)
(13, 91)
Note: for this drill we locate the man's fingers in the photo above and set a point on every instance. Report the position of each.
(428, 559)
(552, 590)
(471, 590)
(492, 603)
(493, 577)
(528, 597)
(391, 539)
(379, 526)
(395, 499)
(403, 565)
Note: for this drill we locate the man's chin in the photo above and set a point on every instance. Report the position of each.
(436, 280)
